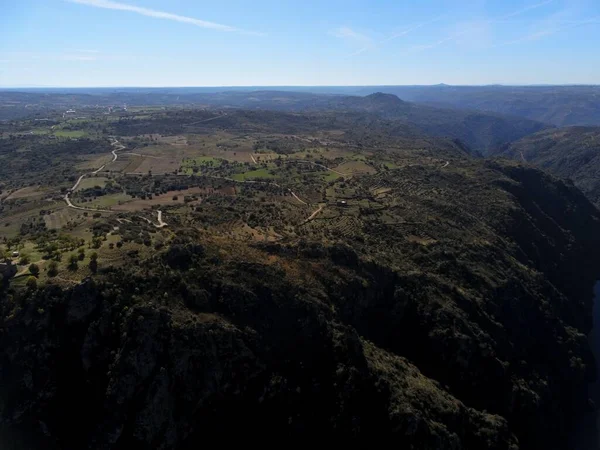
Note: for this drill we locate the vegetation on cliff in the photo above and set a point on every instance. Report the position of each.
(451, 314)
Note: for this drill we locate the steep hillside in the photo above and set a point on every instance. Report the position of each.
(572, 153)
(444, 307)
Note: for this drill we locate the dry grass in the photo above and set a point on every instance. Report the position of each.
(27, 192)
(60, 218)
(355, 168)
(167, 199)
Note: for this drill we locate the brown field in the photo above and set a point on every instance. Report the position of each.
(60, 218)
(355, 168)
(173, 140)
(156, 166)
(167, 199)
(160, 151)
(93, 162)
(120, 164)
(133, 162)
(27, 192)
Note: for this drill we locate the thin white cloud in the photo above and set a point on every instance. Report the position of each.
(349, 34)
(354, 38)
(109, 4)
(526, 9)
(370, 44)
(80, 58)
(458, 34)
(410, 30)
(537, 35)
(397, 35)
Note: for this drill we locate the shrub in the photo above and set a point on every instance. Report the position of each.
(31, 283)
(34, 270)
(52, 268)
(93, 265)
(73, 262)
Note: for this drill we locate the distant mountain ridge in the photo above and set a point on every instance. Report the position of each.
(556, 105)
(482, 132)
(560, 105)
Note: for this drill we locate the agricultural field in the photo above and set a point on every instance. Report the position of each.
(70, 133)
(91, 182)
(227, 179)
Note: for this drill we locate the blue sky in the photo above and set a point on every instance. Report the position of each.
(298, 42)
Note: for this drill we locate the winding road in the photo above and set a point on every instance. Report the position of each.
(118, 146)
(67, 197)
(314, 214)
(319, 165)
(160, 224)
(206, 120)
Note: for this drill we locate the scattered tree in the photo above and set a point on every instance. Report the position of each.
(73, 262)
(31, 282)
(52, 268)
(93, 265)
(34, 270)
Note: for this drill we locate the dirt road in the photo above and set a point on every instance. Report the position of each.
(314, 214)
(67, 196)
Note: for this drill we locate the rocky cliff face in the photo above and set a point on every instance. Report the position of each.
(468, 333)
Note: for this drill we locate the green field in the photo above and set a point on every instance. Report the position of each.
(330, 176)
(106, 201)
(70, 133)
(258, 173)
(391, 165)
(200, 162)
(90, 182)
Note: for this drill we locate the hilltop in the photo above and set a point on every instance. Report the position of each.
(557, 105)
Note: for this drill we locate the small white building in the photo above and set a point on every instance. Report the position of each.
(15, 254)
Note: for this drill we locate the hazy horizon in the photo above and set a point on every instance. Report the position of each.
(299, 86)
